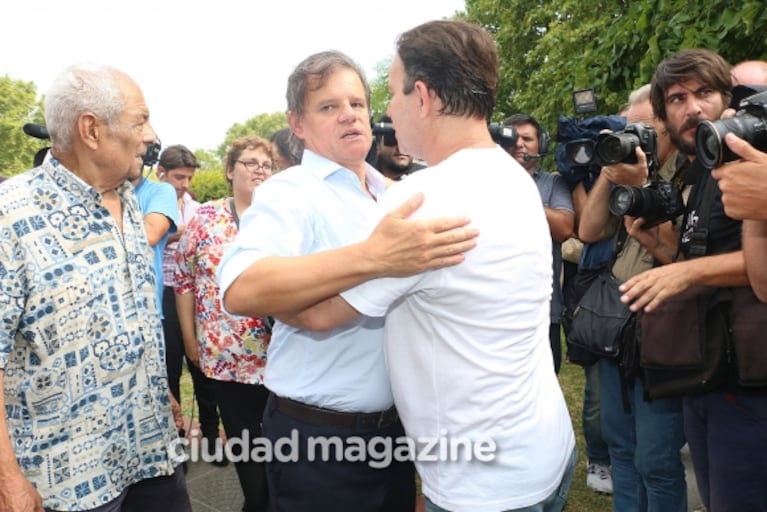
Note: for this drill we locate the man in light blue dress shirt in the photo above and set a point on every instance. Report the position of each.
(305, 237)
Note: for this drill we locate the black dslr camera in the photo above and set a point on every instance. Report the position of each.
(386, 131)
(152, 155)
(611, 148)
(503, 135)
(656, 202)
(749, 123)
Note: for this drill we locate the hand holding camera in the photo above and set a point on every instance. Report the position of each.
(627, 174)
(657, 201)
(749, 123)
(743, 183)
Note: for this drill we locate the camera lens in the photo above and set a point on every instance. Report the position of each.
(580, 152)
(708, 144)
(621, 200)
(618, 147)
(712, 150)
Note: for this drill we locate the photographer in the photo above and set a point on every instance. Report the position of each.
(744, 187)
(531, 144)
(644, 438)
(580, 179)
(744, 195)
(724, 421)
(389, 160)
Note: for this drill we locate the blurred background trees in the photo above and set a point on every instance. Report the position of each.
(548, 49)
(18, 105)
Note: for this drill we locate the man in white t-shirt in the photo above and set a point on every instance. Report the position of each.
(467, 346)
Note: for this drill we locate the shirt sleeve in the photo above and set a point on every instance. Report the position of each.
(12, 286)
(186, 254)
(277, 223)
(561, 199)
(374, 298)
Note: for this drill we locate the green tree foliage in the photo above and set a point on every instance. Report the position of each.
(379, 90)
(209, 160)
(18, 106)
(549, 48)
(263, 125)
(210, 184)
(209, 181)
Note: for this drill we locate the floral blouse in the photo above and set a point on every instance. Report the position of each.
(232, 348)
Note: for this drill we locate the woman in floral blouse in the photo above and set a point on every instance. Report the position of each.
(230, 350)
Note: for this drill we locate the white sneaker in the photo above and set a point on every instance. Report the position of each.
(599, 478)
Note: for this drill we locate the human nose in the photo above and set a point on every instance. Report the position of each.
(150, 136)
(348, 113)
(694, 106)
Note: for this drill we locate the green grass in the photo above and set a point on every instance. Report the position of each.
(571, 378)
(186, 393)
(581, 498)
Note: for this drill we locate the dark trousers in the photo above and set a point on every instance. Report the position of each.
(242, 409)
(174, 358)
(158, 494)
(727, 434)
(555, 339)
(331, 485)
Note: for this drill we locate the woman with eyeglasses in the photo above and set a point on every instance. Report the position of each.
(230, 350)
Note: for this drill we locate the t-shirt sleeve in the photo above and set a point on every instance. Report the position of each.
(560, 199)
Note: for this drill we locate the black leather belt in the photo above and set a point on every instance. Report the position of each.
(328, 418)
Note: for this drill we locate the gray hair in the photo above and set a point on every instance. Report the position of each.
(640, 95)
(311, 74)
(79, 89)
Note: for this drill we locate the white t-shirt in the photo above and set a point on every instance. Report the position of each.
(467, 347)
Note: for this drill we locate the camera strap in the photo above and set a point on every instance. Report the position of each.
(699, 237)
(234, 212)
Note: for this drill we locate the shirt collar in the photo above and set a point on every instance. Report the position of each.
(323, 167)
(72, 181)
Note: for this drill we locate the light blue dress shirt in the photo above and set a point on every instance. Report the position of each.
(314, 207)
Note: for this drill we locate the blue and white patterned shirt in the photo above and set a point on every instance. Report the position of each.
(85, 387)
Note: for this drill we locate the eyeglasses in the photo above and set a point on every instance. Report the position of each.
(253, 165)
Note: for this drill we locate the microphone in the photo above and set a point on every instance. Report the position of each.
(527, 156)
(37, 131)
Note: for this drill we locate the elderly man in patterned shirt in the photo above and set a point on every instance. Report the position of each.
(87, 422)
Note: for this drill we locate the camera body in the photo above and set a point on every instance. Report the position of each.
(749, 123)
(386, 131)
(656, 202)
(503, 135)
(611, 148)
(152, 155)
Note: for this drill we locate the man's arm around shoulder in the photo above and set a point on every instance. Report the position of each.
(397, 247)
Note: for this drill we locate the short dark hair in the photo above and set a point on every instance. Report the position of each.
(287, 145)
(707, 67)
(455, 59)
(312, 72)
(177, 157)
(518, 119)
